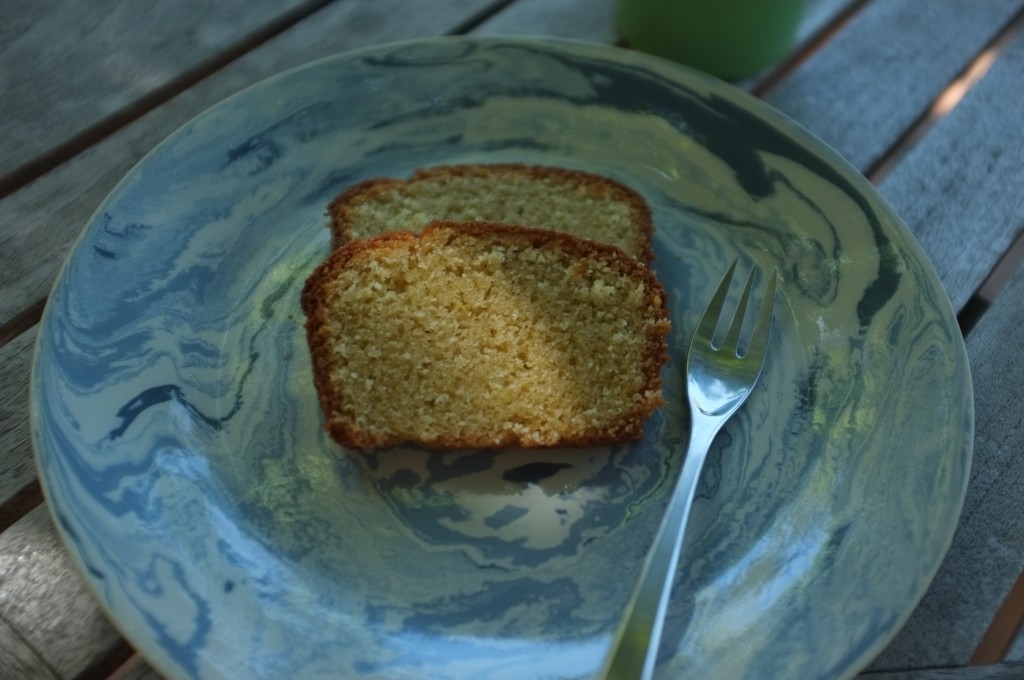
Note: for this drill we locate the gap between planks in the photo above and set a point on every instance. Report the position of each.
(114, 665)
(480, 17)
(20, 504)
(1006, 625)
(21, 323)
(133, 667)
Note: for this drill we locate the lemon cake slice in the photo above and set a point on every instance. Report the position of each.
(585, 205)
(484, 335)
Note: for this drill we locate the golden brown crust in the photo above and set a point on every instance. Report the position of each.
(340, 208)
(628, 427)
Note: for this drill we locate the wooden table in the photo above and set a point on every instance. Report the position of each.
(926, 98)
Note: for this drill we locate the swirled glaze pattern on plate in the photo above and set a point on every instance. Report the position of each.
(178, 437)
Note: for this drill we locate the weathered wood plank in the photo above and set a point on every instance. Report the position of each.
(996, 672)
(46, 602)
(955, 186)
(78, 63)
(18, 660)
(901, 52)
(39, 223)
(16, 468)
(988, 548)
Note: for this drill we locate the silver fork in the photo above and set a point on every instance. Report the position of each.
(718, 380)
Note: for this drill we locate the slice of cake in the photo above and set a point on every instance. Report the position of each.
(484, 335)
(585, 205)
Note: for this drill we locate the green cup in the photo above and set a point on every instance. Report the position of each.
(726, 38)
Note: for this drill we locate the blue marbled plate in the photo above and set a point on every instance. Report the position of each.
(178, 435)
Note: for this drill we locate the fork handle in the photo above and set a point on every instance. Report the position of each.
(634, 649)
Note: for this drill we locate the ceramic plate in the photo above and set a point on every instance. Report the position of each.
(178, 433)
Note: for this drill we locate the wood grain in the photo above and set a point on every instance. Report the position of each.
(953, 187)
(46, 602)
(18, 660)
(901, 52)
(16, 468)
(43, 107)
(988, 547)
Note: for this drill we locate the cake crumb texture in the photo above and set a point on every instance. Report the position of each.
(484, 335)
(586, 205)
